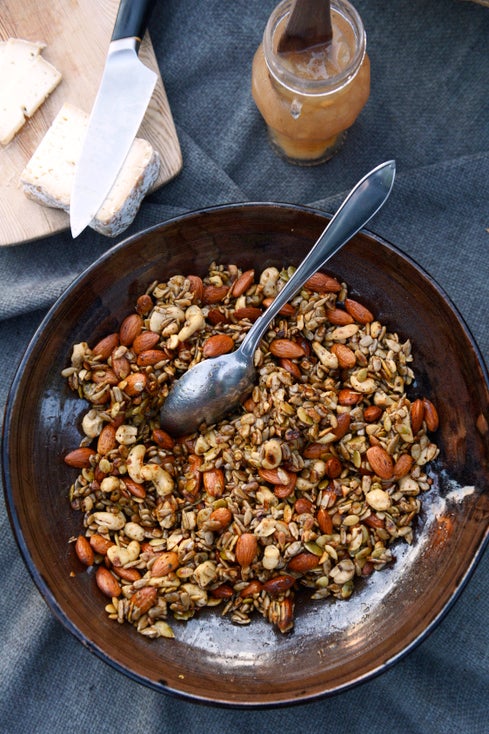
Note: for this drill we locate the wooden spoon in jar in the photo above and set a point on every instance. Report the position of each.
(309, 25)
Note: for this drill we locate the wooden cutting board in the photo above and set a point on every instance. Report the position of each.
(77, 34)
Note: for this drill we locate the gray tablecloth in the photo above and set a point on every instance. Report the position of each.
(429, 110)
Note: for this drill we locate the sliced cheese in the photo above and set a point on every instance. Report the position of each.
(26, 80)
(49, 175)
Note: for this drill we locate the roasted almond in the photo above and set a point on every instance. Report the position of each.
(372, 413)
(80, 457)
(130, 328)
(342, 425)
(380, 462)
(104, 376)
(151, 357)
(144, 304)
(346, 396)
(274, 476)
(252, 313)
(196, 287)
(285, 617)
(345, 356)
(315, 450)
(430, 415)
(303, 505)
(220, 518)
(106, 441)
(358, 311)
(224, 591)
(338, 317)
(403, 466)
(286, 310)
(145, 340)
(286, 348)
(322, 283)
(417, 415)
(134, 488)
(242, 283)
(143, 599)
(217, 344)
(107, 583)
(291, 367)
(104, 347)
(214, 293)
(214, 317)
(254, 587)
(372, 521)
(100, 544)
(134, 384)
(127, 574)
(278, 584)
(284, 481)
(324, 521)
(249, 404)
(163, 439)
(214, 482)
(84, 551)
(121, 366)
(193, 477)
(246, 549)
(165, 563)
(303, 562)
(334, 467)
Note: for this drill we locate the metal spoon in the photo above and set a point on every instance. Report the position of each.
(215, 386)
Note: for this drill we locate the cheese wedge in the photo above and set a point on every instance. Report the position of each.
(26, 80)
(48, 176)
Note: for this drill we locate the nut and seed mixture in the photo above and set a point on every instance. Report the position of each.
(306, 486)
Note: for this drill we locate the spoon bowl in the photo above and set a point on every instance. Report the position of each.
(214, 387)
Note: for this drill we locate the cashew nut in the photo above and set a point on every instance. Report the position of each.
(126, 434)
(271, 557)
(92, 423)
(268, 281)
(175, 316)
(194, 320)
(161, 479)
(343, 572)
(110, 484)
(119, 556)
(163, 316)
(327, 358)
(366, 386)
(134, 462)
(108, 520)
(134, 531)
(271, 453)
(343, 332)
(78, 354)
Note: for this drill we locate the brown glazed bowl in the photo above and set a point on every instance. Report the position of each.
(334, 644)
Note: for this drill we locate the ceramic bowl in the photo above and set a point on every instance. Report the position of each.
(334, 644)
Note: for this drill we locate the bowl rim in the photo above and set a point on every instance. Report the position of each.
(36, 575)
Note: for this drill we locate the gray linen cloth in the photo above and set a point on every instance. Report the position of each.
(429, 110)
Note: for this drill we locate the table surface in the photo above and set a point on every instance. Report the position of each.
(429, 111)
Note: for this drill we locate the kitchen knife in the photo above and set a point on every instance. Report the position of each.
(119, 108)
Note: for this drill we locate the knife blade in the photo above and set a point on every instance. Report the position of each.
(120, 105)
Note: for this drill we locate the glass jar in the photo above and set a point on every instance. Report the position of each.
(310, 98)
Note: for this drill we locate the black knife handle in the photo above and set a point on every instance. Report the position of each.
(132, 19)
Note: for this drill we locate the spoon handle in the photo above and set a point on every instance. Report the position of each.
(363, 201)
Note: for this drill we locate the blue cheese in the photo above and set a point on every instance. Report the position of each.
(49, 175)
(26, 80)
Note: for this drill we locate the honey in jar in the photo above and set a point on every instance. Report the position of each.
(309, 98)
